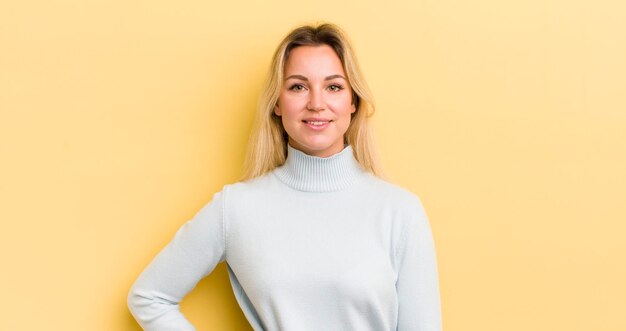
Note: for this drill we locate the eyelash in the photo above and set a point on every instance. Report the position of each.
(336, 86)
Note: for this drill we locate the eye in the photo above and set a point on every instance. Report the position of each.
(296, 87)
(335, 87)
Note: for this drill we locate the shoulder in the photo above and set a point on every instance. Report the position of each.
(404, 204)
(394, 193)
(250, 187)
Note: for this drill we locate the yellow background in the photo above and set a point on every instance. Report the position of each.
(120, 119)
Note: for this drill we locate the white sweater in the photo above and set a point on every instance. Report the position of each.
(315, 244)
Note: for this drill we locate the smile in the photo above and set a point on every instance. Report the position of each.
(317, 125)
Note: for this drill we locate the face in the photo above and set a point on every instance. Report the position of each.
(315, 102)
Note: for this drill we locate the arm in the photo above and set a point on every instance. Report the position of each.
(192, 254)
(419, 306)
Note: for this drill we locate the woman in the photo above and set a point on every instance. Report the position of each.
(313, 237)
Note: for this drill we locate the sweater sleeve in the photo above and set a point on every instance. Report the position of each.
(196, 248)
(419, 306)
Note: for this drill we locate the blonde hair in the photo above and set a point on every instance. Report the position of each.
(267, 146)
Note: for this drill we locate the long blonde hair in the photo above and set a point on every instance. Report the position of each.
(267, 146)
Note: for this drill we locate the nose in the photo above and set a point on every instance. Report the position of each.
(316, 100)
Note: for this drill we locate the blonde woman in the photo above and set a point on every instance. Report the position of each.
(314, 238)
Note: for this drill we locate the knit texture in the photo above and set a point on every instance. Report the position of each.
(316, 244)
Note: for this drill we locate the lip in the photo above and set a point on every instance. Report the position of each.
(317, 127)
(316, 119)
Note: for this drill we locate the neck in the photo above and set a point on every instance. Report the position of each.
(310, 173)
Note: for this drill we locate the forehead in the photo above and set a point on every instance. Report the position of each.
(313, 60)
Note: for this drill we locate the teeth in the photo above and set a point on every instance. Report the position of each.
(317, 123)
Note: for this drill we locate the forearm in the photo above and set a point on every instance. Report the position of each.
(156, 312)
(192, 254)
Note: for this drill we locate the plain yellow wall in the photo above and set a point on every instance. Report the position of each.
(120, 119)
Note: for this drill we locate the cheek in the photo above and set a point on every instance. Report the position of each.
(290, 102)
(342, 106)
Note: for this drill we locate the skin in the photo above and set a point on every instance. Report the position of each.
(315, 85)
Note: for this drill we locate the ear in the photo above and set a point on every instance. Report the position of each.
(277, 110)
(353, 106)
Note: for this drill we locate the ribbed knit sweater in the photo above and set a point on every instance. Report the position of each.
(316, 244)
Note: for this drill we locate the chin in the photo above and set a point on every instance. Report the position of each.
(321, 149)
(315, 144)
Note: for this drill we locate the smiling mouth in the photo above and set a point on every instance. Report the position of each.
(316, 122)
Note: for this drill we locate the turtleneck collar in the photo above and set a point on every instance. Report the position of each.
(309, 173)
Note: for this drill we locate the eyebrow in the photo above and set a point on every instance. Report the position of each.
(306, 79)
